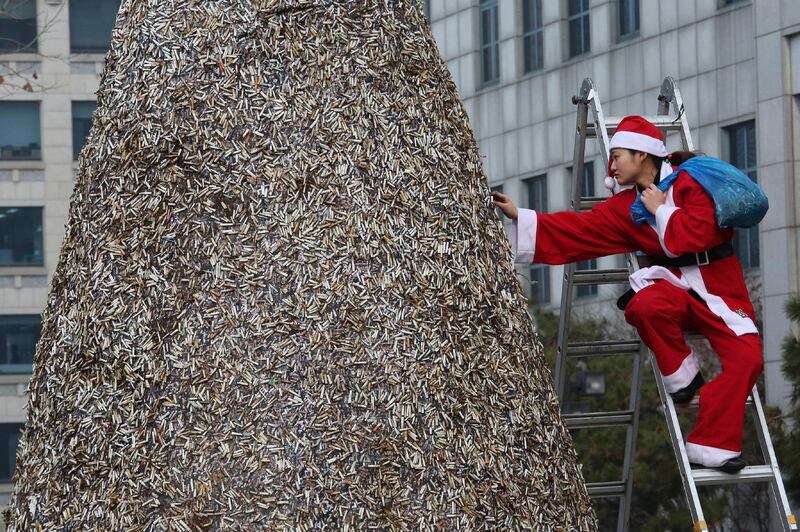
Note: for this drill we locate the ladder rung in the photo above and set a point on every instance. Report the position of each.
(620, 347)
(660, 121)
(588, 202)
(694, 404)
(708, 477)
(611, 276)
(605, 489)
(598, 419)
(694, 337)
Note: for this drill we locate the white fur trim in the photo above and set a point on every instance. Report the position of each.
(691, 278)
(638, 142)
(647, 276)
(523, 236)
(708, 456)
(735, 322)
(663, 214)
(684, 375)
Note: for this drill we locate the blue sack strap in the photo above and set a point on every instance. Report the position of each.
(738, 200)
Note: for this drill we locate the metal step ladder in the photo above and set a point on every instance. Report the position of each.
(599, 127)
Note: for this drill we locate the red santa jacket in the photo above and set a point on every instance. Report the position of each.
(685, 224)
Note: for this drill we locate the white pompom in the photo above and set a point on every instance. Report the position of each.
(610, 182)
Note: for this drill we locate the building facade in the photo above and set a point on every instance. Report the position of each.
(516, 63)
(51, 55)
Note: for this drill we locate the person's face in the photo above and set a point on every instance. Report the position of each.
(626, 165)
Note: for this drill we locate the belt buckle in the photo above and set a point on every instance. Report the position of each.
(703, 261)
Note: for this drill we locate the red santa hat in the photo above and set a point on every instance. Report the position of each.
(637, 133)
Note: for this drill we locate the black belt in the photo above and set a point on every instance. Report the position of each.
(625, 298)
(688, 259)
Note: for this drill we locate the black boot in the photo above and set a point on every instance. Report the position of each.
(684, 395)
(734, 465)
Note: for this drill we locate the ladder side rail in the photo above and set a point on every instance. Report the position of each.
(623, 515)
(631, 437)
(670, 95)
(673, 427)
(600, 124)
(569, 269)
(777, 489)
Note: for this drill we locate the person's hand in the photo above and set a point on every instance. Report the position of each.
(653, 198)
(505, 204)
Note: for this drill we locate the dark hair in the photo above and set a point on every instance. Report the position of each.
(675, 158)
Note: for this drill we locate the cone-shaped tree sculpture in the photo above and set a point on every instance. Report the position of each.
(283, 300)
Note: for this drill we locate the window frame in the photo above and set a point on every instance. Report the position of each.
(7, 320)
(40, 229)
(589, 187)
(634, 11)
(37, 106)
(532, 34)
(540, 291)
(492, 46)
(722, 4)
(746, 241)
(73, 21)
(30, 48)
(75, 150)
(11, 452)
(540, 284)
(586, 33)
(583, 291)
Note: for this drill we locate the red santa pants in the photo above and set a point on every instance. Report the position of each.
(661, 313)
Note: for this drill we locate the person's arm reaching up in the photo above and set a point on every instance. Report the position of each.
(567, 236)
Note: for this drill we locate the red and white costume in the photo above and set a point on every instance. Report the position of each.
(663, 308)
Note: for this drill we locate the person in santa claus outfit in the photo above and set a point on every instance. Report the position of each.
(692, 281)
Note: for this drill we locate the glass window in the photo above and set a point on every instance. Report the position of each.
(18, 26)
(81, 123)
(578, 20)
(588, 179)
(628, 18)
(490, 52)
(536, 193)
(536, 197)
(532, 35)
(742, 143)
(90, 24)
(21, 236)
(588, 189)
(18, 337)
(9, 439)
(540, 284)
(20, 136)
(586, 290)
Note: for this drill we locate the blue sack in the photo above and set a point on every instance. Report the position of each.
(738, 200)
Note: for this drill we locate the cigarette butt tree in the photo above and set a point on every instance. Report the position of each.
(283, 299)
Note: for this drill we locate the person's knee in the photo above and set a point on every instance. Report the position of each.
(756, 364)
(751, 362)
(644, 305)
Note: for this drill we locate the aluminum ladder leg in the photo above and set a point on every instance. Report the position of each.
(600, 128)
